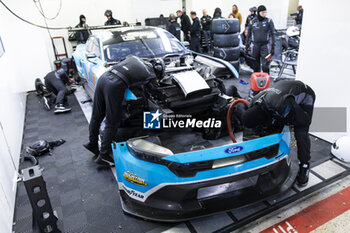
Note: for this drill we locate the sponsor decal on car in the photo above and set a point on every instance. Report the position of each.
(133, 193)
(133, 178)
(233, 149)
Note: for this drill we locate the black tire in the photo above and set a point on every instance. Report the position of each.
(226, 40)
(225, 26)
(227, 54)
(235, 64)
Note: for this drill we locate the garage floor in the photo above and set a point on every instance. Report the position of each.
(86, 198)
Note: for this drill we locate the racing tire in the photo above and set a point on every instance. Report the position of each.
(226, 40)
(225, 26)
(235, 64)
(227, 54)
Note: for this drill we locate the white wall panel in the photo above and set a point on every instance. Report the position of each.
(324, 61)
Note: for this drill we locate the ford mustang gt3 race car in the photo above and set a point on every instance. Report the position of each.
(173, 157)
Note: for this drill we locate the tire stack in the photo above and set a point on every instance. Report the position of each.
(226, 40)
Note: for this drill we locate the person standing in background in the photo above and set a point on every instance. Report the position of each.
(251, 16)
(174, 27)
(82, 35)
(195, 33)
(217, 13)
(110, 19)
(236, 13)
(185, 24)
(261, 32)
(206, 25)
(299, 17)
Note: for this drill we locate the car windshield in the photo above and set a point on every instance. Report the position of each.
(141, 43)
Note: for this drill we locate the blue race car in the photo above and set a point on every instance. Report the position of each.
(173, 156)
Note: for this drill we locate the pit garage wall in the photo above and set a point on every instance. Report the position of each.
(130, 11)
(25, 58)
(276, 9)
(324, 55)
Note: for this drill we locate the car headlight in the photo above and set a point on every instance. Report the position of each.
(147, 150)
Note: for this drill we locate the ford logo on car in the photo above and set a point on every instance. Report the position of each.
(233, 149)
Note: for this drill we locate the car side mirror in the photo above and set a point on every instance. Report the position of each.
(90, 55)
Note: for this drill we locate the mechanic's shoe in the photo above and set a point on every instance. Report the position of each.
(303, 175)
(245, 67)
(46, 103)
(93, 148)
(105, 160)
(59, 108)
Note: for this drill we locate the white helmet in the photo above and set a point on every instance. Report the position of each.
(341, 148)
(293, 31)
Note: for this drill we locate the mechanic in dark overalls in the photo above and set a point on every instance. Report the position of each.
(108, 98)
(174, 27)
(110, 19)
(261, 31)
(185, 24)
(195, 33)
(55, 82)
(287, 102)
(251, 16)
(82, 35)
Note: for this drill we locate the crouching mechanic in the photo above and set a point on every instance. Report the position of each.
(55, 82)
(108, 98)
(288, 102)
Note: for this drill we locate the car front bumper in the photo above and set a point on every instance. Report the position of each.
(152, 191)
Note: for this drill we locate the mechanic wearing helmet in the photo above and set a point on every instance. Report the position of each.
(174, 27)
(110, 19)
(108, 98)
(217, 13)
(251, 16)
(261, 31)
(55, 82)
(287, 102)
(82, 35)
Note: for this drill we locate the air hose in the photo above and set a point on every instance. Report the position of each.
(228, 117)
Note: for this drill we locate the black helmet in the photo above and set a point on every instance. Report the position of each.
(62, 75)
(159, 67)
(38, 148)
(134, 71)
(253, 9)
(108, 13)
(217, 11)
